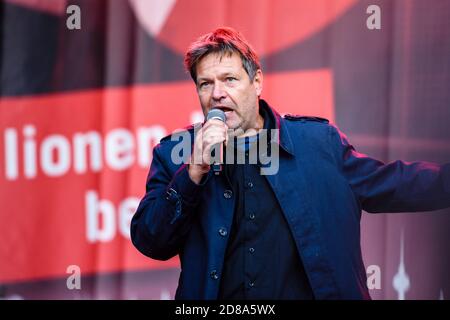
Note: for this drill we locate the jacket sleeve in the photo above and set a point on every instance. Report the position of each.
(397, 186)
(165, 214)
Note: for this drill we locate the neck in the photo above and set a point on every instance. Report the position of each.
(259, 124)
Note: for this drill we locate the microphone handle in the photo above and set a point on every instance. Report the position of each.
(217, 167)
(217, 114)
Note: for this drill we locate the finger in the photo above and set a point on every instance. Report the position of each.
(226, 138)
(214, 134)
(214, 123)
(213, 140)
(206, 155)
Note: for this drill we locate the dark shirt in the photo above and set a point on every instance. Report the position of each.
(261, 260)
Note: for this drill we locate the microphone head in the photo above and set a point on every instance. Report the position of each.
(216, 114)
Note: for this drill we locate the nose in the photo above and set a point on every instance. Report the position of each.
(218, 91)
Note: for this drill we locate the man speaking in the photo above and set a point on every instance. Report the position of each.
(292, 232)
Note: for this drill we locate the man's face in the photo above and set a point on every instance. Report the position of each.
(223, 83)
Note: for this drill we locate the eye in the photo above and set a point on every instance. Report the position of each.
(230, 79)
(203, 84)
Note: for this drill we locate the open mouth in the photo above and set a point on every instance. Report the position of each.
(223, 108)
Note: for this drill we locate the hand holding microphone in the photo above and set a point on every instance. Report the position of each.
(217, 114)
(210, 137)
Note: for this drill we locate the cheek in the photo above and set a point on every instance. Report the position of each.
(204, 100)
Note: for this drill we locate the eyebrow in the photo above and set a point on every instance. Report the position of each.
(199, 79)
(228, 73)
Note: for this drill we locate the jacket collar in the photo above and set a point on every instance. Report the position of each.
(282, 138)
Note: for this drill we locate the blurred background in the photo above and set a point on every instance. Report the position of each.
(86, 94)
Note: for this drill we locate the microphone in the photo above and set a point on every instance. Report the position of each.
(218, 115)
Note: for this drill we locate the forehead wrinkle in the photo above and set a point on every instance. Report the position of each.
(228, 65)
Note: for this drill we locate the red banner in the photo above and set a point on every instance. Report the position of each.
(73, 168)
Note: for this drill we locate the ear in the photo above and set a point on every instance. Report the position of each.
(258, 82)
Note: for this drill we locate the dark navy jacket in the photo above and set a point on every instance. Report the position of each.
(322, 185)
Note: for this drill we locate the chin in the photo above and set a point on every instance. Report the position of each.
(232, 125)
